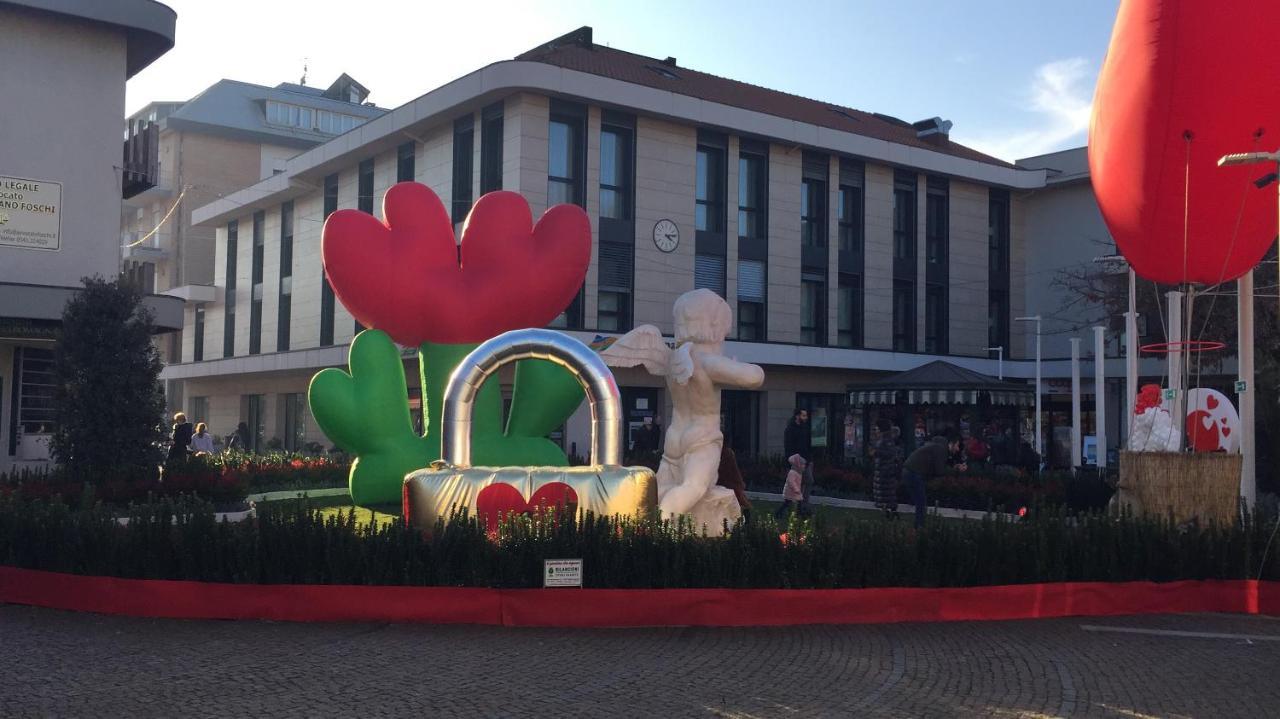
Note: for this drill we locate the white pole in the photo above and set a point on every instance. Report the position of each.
(1248, 479)
(1131, 353)
(1075, 403)
(1176, 412)
(1100, 393)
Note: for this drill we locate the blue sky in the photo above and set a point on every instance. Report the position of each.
(1016, 77)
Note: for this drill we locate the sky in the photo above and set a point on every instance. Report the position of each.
(1015, 76)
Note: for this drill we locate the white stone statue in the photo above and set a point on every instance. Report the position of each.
(695, 371)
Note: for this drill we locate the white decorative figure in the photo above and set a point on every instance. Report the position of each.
(695, 371)
(1153, 431)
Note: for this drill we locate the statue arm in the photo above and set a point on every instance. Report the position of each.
(731, 372)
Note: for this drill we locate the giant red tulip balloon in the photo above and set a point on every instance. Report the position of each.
(1184, 83)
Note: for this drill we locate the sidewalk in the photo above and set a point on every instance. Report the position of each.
(947, 512)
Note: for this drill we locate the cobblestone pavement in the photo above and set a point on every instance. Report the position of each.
(66, 664)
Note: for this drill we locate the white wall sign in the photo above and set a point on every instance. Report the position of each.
(562, 573)
(30, 213)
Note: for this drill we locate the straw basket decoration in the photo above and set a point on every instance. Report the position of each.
(1202, 486)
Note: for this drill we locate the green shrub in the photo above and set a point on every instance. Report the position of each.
(180, 539)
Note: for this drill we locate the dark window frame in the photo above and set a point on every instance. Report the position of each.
(197, 350)
(285, 310)
(851, 218)
(406, 161)
(625, 189)
(491, 138)
(327, 300)
(904, 316)
(229, 296)
(818, 330)
(574, 117)
(999, 241)
(905, 222)
(463, 168)
(850, 336)
(256, 287)
(364, 203)
(936, 334)
(937, 222)
(710, 198)
(757, 212)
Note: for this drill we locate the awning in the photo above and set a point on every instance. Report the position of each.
(941, 382)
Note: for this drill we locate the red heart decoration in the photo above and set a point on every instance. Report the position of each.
(408, 277)
(1202, 438)
(495, 502)
(1211, 401)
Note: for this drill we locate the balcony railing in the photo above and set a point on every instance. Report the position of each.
(141, 158)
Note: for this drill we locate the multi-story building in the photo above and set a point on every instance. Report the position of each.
(849, 244)
(231, 135)
(61, 180)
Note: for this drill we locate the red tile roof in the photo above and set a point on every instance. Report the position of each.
(575, 51)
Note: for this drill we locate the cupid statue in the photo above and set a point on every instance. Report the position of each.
(695, 371)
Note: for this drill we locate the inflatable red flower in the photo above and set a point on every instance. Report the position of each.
(408, 277)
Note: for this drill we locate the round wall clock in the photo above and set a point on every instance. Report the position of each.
(666, 235)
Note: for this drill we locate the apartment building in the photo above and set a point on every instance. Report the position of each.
(227, 137)
(61, 180)
(849, 244)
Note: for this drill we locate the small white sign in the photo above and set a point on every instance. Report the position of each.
(1242, 386)
(30, 213)
(562, 573)
(1169, 394)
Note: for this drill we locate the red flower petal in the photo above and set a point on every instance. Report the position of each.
(403, 276)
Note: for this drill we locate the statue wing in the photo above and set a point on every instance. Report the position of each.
(641, 346)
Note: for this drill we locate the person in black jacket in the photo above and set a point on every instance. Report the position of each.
(180, 440)
(930, 460)
(797, 440)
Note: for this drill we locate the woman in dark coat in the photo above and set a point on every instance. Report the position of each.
(887, 457)
(180, 440)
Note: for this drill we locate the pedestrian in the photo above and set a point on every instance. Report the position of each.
(646, 437)
(202, 441)
(887, 458)
(239, 439)
(730, 477)
(927, 462)
(792, 490)
(797, 440)
(180, 440)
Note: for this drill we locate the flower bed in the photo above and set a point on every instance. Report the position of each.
(180, 540)
(219, 478)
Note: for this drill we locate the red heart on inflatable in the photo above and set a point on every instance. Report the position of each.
(497, 501)
(1202, 438)
(407, 276)
(1211, 401)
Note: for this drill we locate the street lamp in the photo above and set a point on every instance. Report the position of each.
(1039, 436)
(1130, 338)
(1244, 304)
(999, 358)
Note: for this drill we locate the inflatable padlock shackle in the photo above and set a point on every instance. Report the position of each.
(585, 365)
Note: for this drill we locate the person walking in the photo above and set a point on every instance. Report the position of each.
(180, 440)
(729, 476)
(796, 440)
(792, 492)
(202, 441)
(925, 463)
(239, 439)
(887, 458)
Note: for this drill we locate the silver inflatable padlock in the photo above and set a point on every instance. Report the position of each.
(604, 488)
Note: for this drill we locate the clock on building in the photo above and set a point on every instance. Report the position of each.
(666, 235)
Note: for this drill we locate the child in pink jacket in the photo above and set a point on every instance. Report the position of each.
(792, 492)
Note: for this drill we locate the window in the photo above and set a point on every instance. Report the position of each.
(813, 309)
(849, 311)
(229, 297)
(253, 410)
(849, 217)
(306, 118)
(564, 161)
(998, 269)
(199, 410)
(326, 289)
(615, 172)
(752, 197)
(904, 316)
(615, 276)
(198, 340)
(613, 310)
(255, 296)
(491, 149)
(34, 391)
(364, 203)
(935, 222)
(463, 147)
(286, 277)
(708, 273)
(751, 294)
(935, 319)
(295, 421)
(709, 189)
(904, 216)
(813, 213)
(405, 161)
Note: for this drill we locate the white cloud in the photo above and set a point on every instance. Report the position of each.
(1061, 96)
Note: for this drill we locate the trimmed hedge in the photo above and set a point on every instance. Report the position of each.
(180, 539)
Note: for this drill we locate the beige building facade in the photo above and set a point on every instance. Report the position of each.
(849, 245)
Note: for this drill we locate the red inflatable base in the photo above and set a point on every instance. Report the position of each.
(626, 607)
